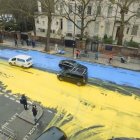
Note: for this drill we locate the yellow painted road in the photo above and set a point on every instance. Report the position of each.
(93, 113)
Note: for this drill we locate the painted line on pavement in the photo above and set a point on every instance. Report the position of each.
(17, 101)
(50, 111)
(6, 96)
(12, 98)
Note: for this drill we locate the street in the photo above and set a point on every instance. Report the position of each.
(87, 112)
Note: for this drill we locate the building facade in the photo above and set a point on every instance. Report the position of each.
(105, 18)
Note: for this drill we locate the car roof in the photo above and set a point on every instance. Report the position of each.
(69, 60)
(77, 70)
(53, 133)
(23, 56)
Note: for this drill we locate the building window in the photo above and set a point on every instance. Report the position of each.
(42, 30)
(61, 8)
(37, 21)
(61, 24)
(79, 25)
(138, 13)
(43, 22)
(69, 26)
(56, 7)
(110, 9)
(99, 10)
(70, 8)
(107, 28)
(80, 9)
(89, 10)
(135, 30)
(96, 28)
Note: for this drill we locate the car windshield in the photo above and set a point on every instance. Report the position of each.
(29, 59)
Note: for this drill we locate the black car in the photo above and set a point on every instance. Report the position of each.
(53, 133)
(68, 64)
(78, 75)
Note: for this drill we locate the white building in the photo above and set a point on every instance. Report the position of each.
(104, 24)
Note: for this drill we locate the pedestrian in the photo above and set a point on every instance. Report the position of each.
(16, 44)
(22, 42)
(123, 60)
(34, 111)
(96, 55)
(23, 101)
(27, 43)
(110, 59)
(77, 53)
(33, 43)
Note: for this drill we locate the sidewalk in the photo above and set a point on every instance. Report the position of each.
(133, 64)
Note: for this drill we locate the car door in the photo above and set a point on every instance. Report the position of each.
(20, 62)
(70, 77)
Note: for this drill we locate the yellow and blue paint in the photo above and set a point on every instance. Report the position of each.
(98, 71)
(91, 112)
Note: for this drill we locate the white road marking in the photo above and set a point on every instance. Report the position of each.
(30, 102)
(50, 111)
(12, 98)
(4, 91)
(6, 96)
(15, 96)
(9, 93)
(17, 101)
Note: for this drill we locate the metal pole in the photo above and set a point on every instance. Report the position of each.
(74, 27)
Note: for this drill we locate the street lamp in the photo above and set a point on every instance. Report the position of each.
(73, 45)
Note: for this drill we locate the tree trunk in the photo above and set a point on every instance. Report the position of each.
(34, 29)
(47, 43)
(121, 35)
(82, 34)
(121, 31)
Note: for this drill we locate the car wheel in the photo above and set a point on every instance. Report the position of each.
(60, 78)
(10, 63)
(60, 66)
(79, 83)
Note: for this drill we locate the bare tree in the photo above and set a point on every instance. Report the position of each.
(124, 8)
(48, 8)
(84, 10)
(22, 10)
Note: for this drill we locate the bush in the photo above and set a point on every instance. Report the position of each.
(107, 40)
(132, 44)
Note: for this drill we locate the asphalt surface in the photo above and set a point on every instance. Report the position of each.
(9, 111)
(10, 108)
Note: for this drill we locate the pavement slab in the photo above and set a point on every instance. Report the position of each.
(27, 115)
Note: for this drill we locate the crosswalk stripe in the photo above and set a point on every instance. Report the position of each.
(12, 98)
(6, 96)
(17, 101)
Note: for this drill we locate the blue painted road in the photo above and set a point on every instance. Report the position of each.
(106, 73)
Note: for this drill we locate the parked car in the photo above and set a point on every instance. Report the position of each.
(78, 75)
(53, 133)
(21, 60)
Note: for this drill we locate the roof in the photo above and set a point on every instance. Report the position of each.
(52, 133)
(23, 56)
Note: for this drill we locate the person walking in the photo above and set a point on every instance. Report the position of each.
(23, 101)
(96, 55)
(16, 44)
(34, 111)
(77, 53)
(110, 59)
